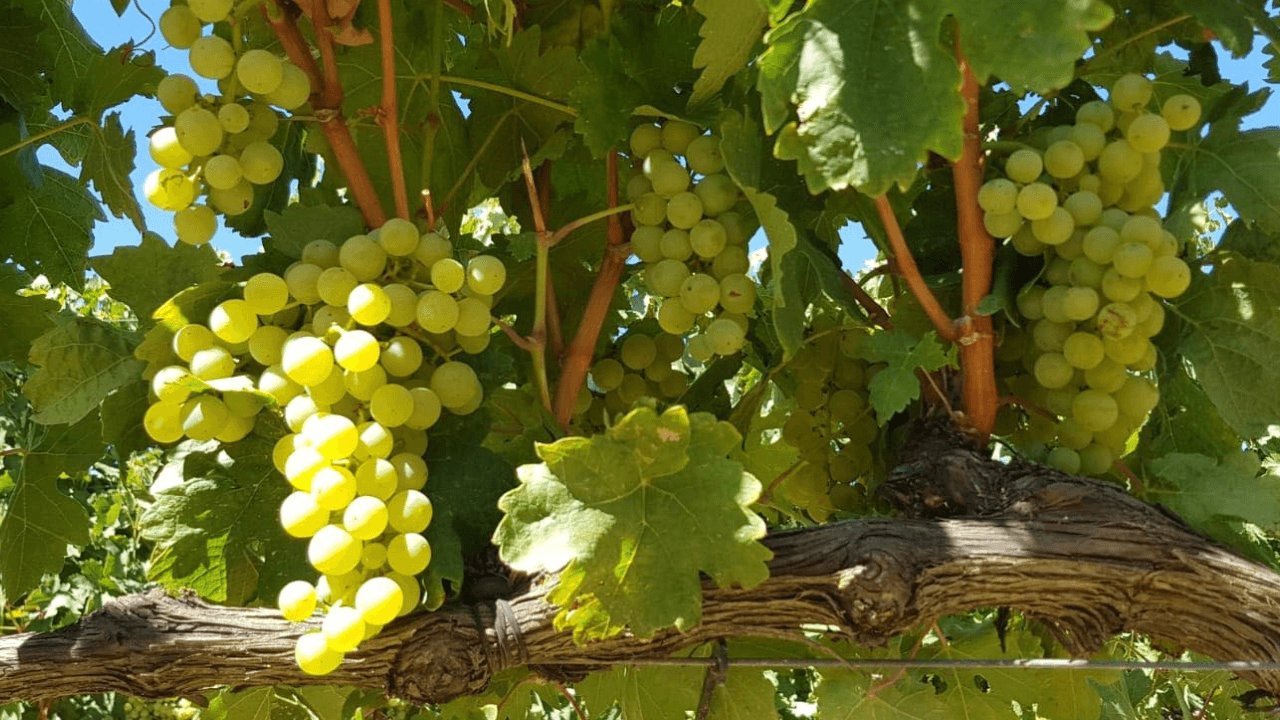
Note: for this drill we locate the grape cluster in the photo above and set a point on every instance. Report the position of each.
(217, 145)
(832, 425)
(692, 243)
(337, 344)
(180, 709)
(642, 366)
(1086, 204)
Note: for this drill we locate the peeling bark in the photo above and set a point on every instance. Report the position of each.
(1077, 554)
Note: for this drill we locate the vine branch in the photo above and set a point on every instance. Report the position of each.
(911, 273)
(389, 115)
(538, 335)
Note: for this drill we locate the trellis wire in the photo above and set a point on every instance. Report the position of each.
(1030, 664)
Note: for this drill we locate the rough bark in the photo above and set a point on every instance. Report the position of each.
(1079, 555)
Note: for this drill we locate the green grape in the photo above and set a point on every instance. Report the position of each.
(1090, 139)
(1107, 376)
(699, 293)
(300, 409)
(1094, 410)
(1119, 288)
(211, 57)
(1132, 260)
(302, 465)
(646, 243)
(607, 374)
(1070, 433)
(313, 655)
(644, 138)
(1050, 336)
(408, 554)
(374, 440)
(195, 224)
(431, 249)
(1181, 112)
(633, 388)
(1100, 244)
(391, 405)
(266, 345)
(165, 149)
(737, 293)
(1085, 207)
(234, 201)
(708, 238)
(1080, 303)
(725, 337)
(263, 122)
(1136, 397)
(448, 275)
(335, 284)
(365, 518)
(297, 600)
(1030, 302)
(1152, 324)
(455, 383)
(259, 71)
(212, 363)
(666, 277)
(1070, 249)
(669, 178)
(473, 318)
(261, 162)
(678, 135)
(306, 360)
(1064, 460)
(163, 422)
(1168, 276)
(171, 384)
(1085, 273)
(674, 318)
(363, 257)
(356, 351)
(234, 118)
(1142, 230)
(1064, 159)
(266, 293)
(675, 244)
(176, 92)
(376, 478)
(274, 382)
(637, 186)
(411, 470)
(1052, 370)
(368, 304)
(1037, 201)
(1119, 162)
(998, 196)
(402, 356)
(1117, 320)
(283, 448)
(179, 26)
(343, 628)
(203, 417)
(1097, 113)
(1083, 350)
(409, 511)
(637, 351)
(1055, 229)
(169, 189)
(1024, 166)
(426, 408)
(404, 304)
(684, 210)
(300, 516)
(1095, 459)
(1130, 93)
(333, 436)
(486, 274)
(1023, 239)
(379, 600)
(732, 260)
(294, 88)
(1148, 133)
(703, 154)
(211, 11)
(329, 318)
(718, 192)
(650, 209)
(233, 321)
(437, 311)
(333, 487)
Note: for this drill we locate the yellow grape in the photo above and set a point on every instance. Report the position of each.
(402, 356)
(266, 293)
(313, 655)
(333, 436)
(203, 417)
(306, 360)
(234, 201)
(356, 350)
(677, 135)
(1063, 159)
(176, 92)
(343, 628)
(266, 344)
(1168, 276)
(294, 88)
(408, 554)
(455, 384)
(409, 511)
(165, 149)
(333, 551)
(211, 57)
(644, 139)
(998, 196)
(379, 600)
(163, 422)
(169, 189)
(391, 405)
(376, 477)
(1182, 112)
(1131, 92)
(261, 163)
(1024, 166)
(432, 247)
(1094, 410)
(180, 26)
(473, 318)
(1037, 201)
(411, 470)
(374, 441)
(234, 118)
(365, 517)
(437, 311)
(363, 257)
(233, 321)
(368, 304)
(259, 71)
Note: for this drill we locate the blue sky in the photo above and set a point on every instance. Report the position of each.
(141, 114)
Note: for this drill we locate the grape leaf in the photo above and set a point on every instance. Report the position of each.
(260, 703)
(806, 272)
(49, 229)
(741, 145)
(894, 387)
(1199, 488)
(1231, 335)
(1029, 46)
(114, 77)
(1185, 420)
(131, 272)
(842, 695)
(1121, 700)
(122, 413)
(66, 43)
(41, 522)
(633, 689)
(108, 162)
(291, 230)
(214, 523)
(1228, 19)
(24, 317)
(1250, 241)
(729, 34)
(1243, 166)
(632, 516)
(873, 92)
(22, 61)
(81, 360)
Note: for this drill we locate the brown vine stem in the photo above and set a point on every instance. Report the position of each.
(326, 99)
(977, 253)
(911, 273)
(538, 335)
(875, 311)
(389, 116)
(577, 356)
(466, 10)
(555, 332)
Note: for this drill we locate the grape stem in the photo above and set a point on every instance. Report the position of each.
(577, 356)
(587, 220)
(389, 112)
(911, 273)
(326, 100)
(875, 311)
(62, 127)
(521, 341)
(977, 252)
(538, 336)
(555, 334)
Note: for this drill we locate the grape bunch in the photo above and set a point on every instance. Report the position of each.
(217, 145)
(832, 425)
(1086, 204)
(692, 243)
(336, 344)
(180, 709)
(642, 366)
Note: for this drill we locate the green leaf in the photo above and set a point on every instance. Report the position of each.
(872, 89)
(214, 524)
(1228, 19)
(842, 695)
(131, 272)
(1199, 488)
(260, 703)
(729, 34)
(23, 317)
(633, 516)
(894, 387)
(806, 272)
(114, 77)
(41, 522)
(68, 46)
(122, 412)
(1243, 166)
(1029, 46)
(636, 691)
(1185, 421)
(1231, 334)
(22, 60)
(81, 361)
(1250, 241)
(108, 162)
(49, 229)
(298, 225)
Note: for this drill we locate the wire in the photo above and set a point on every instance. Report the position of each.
(1030, 664)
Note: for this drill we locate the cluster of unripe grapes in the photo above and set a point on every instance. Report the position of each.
(336, 344)
(692, 243)
(641, 366)
(217, 145)
(180, 709)
(832, 425)
(1085, 202)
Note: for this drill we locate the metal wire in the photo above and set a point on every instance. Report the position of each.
(1030, 664)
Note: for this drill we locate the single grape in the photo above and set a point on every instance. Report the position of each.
(1083, 350)
(203, 417)
(1037, 201)
(737, 293)
(684, 210)
(343, 628)
(726, 337)
(1052, 370)
(391, 405)
(1168, 276)
(718, 193)
(1080, 303)
(297, 600)
(1030, 302)
(1120, 162)
(234, 201)
(212, 363)
(259, 71)
(1181, 112)
(234, 118)
(1094, 410)
(1064, 460)
(409, 511)
(732, 260)
(699, 293)
(1055, 229)
(294, 88)
(379, 600)
(163, 422)
(448, 275)
(1003, 225)
(675, 245)
(707, 238)
(644, 139)
(1136, 397)
(674, 318)
(300, 409)
(376, 478)
(1085, 207)
(1097, 113)
(637, 351)
(373, 440)
(306, 360)
(1024, 166)
(169, 189)
(646, 243)
(650, 209)
(1132, 260)
(368, 304)
(211, 11)
(261, 163)
(666, 277)
(408, 554)
(1064, 159)
(333, 487)
(365, 518)
(669, 178)
(402, 356)
(266, 293)
(266, 345)
(636, 186)
(607, 374)
(486, 274)
(180, 26)
(1090, 139)
(363, 257)
(211, 57)
(677, 135)
(437, 311)
(313, 655)
(455, 384)
(165, 149)
(998, 196)
(1086, 273)
(176, 92)
(703, 154)
(233, 321)
(1131, 92)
